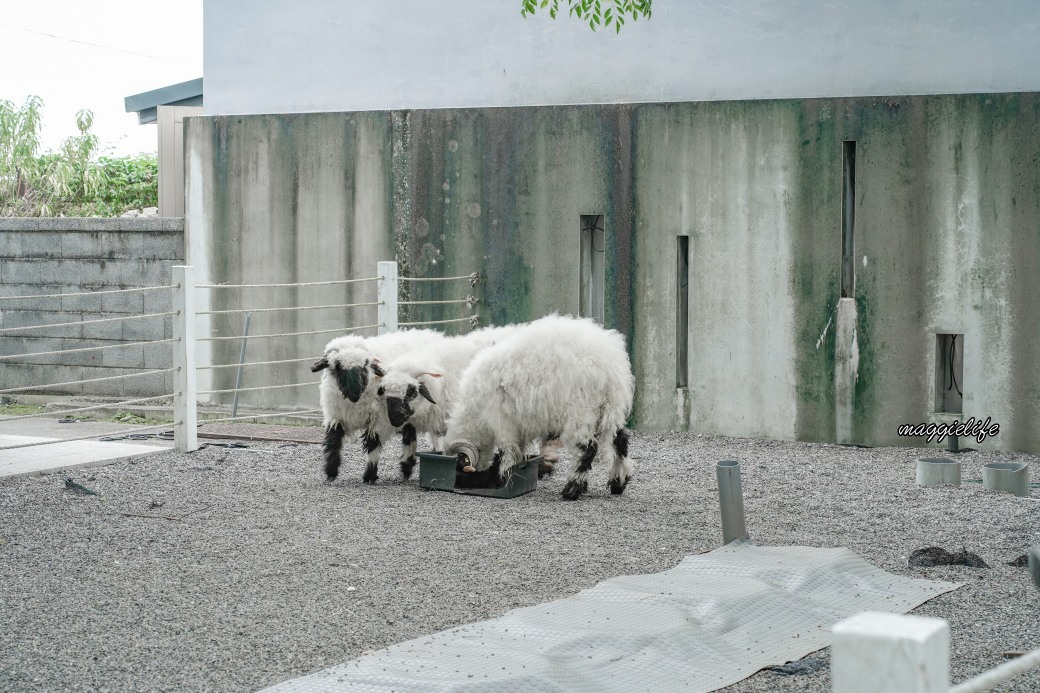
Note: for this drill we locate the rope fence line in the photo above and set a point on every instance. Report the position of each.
(81, 438)
(253, 389)
(257, 363)
(272, 310)
(186, 396)
(474, 320)
(90, 293)
(263, 286)
(286, 334)
(106, 405)
(989, 680)
(11, 357)
(91, 380)
(85, 322)
(475, 276)
(261, 416)
(469, 301)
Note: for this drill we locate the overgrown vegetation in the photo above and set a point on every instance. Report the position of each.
(17, 409)
(132, 418)
(73, 181)
(596, 12)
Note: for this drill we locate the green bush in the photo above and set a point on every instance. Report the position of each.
(73, 181)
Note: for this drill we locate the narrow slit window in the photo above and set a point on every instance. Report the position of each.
(682, 310)
(848, 219)
(949, 373)
(591, 293)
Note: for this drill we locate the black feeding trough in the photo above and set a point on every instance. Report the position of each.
(443, 473)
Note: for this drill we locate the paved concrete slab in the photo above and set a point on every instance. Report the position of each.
(61, 456)
(72, 454)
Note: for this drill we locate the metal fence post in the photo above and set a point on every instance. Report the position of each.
(731, 501)
(876, 651)
(387, 290)
(185, 398)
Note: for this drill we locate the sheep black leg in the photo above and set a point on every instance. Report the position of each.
(332, 447)
(408, 438)
(372, 446)
(621, 469)
(579, 482)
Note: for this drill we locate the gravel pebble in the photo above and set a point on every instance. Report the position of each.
(248, 569)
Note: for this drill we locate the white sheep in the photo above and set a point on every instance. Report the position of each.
(420, 387)
(558, 377)
(348, 404)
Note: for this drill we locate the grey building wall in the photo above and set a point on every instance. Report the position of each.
(354, 55)
(78, 255)
(947, 240)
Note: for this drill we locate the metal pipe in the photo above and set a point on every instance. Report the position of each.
(241, 360)
(731, 501)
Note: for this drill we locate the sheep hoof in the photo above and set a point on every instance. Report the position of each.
(616, 486)
(407, 466)
(545, 468)
(574, 489)
(370, 475)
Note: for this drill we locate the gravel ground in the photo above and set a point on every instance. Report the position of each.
(246, 569)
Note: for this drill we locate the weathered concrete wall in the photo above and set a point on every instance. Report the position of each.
(76, 255)
(946, 241)
(285, 199)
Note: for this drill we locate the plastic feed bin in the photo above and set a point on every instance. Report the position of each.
(438, 472)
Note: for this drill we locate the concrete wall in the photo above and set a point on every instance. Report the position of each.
(76, 255)
(357, 55)
(947, 240)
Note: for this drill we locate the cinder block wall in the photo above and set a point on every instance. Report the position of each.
(60, 257)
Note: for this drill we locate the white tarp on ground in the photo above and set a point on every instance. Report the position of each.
(713, 620)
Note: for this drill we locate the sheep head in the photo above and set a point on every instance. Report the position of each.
(350, 368)
(400, 392)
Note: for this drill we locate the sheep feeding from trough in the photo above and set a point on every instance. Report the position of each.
(419, 388)
(558, 377)
(349, 404)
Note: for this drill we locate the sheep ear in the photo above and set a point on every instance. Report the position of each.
(433, 375)
(320, 365)
(377, 369)
(426, 393)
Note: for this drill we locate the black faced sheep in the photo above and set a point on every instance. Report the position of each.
(420, 387)
(559, 377)
(348, 401)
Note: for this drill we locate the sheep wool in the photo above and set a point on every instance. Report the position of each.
(419, 388)
(557, 377)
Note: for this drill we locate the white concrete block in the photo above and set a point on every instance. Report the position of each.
(875, 651)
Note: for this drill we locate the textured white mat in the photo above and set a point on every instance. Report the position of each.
(713, 620)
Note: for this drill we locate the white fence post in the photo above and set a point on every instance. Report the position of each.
(875, 651)
(185, 398)
(387, 290)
